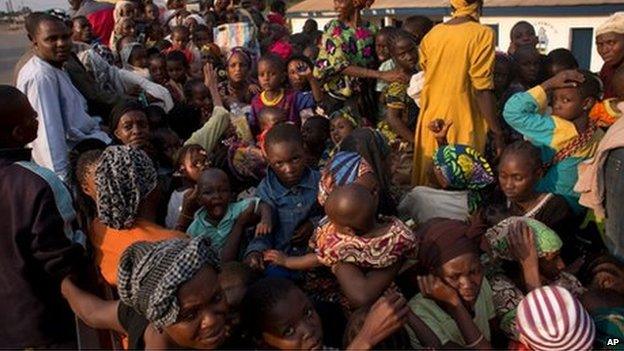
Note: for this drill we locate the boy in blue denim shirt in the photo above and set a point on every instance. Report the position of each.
(291, 189)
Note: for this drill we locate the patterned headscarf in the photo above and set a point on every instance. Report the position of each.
(550, 318)
(243, 52)
(348, 114)
(546, 240)
(151, 273)
(462, 9)
(124, 176)
(464, 169)
(442, 241)
(344, 168)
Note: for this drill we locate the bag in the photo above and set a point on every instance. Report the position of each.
(231, 35)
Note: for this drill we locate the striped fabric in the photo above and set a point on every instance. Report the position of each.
(550, 318)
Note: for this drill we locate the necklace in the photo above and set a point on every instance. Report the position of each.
(271, 102)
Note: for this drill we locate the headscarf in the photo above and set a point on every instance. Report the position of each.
(151, 273)
(546, 240)
(465, 169)
(550, 318)
(243, 52)
(462, 9)
(348, 114)
(344, 168)
(613, 24)
(442, 241)
(124, 176)
(119, 7)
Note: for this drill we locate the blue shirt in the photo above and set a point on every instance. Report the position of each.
(290, 207)
(218, 233)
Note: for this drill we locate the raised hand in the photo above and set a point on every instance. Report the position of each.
(385, 317)
(434, 288)
(565, 79)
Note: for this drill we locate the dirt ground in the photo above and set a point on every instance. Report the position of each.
(13, 44)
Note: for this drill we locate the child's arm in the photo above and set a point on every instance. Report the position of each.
(190, 205)
(297, 263)
(440, 129)
(94, 311)
(304, 71)
(363, 289)
(210, 80)
(393, 117)
(266, 219)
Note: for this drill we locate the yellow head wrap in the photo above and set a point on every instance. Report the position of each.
(464, 9)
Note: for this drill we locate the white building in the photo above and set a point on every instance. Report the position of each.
(566, 24)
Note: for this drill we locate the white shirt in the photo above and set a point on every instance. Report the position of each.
(62, 115)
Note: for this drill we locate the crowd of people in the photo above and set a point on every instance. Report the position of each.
(210, 180)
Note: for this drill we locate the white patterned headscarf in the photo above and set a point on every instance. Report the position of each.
(124, 177)
(613, 24)
(151, 273)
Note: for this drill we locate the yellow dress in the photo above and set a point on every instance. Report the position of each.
(457, 60)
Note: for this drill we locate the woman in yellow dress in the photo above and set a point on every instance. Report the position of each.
(458, 60)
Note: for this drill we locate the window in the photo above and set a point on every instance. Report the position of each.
(495, 29)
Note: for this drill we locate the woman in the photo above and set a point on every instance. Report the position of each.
(238, 89)
(170, 297)
(371, 145)
(127, 203)
(458, 60)
(346, 58)
(455, 299)
(610, 45)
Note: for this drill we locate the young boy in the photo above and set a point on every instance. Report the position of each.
(223, 220)
(38, 240)
(291, 189)
(565, 138)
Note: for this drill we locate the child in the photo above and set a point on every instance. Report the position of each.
(383, 55)
(191, 161)
(223, 220)
(177, 70)
(271, 76)
(198, 97)
(276, 15)
(522, 34)
(290, 188)
(565, 138)
(157, 66)
(152, 13)
(502, 75)
(202, 37)
(296, 81)
(607, 111)
(315, 133)
(280, 316)
(353, 235)
(519, 170)
(527, 61)
(417, 27)
(269, 117)
(180, 38)
(134, 59)
(559, 60)
(341, 124)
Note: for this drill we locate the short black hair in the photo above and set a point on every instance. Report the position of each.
(156, 116)
(178, 56)
(592, 86)
(395, 36)
(283, 133)
(10, 96)
(86, 160)
(423, 22)
(278, 6)
(518, 25)
(260, 299)
(33, 21)
(121, 109)
(273, 60)
(181, 29)
(319, 122)
(527, 150)
(386, 31)
(201, 28)
(562, 57)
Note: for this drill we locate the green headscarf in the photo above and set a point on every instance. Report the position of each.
(546, 240)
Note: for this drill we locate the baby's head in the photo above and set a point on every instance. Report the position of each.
(215, 193)
(166, 143)
(177, 66)
(351, 208)
(180, 37)
(192, 160)
(559, 60)
(519, 170)
(527, 62)
(271, 72)
(573, 103)
(315, 132)
(341, 124)
(283, 150)
(523, 33)
(271, 116)
(280, 316)
(417, 27)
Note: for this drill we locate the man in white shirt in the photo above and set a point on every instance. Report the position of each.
(62, 110)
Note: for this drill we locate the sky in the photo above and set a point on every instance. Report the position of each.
(38, 4)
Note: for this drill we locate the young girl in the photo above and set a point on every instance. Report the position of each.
(223, 220)
(280, 316)
(177, 70)
(180, 38)
(354, 236)
(271, 76)
(157, 66)
(341, 124)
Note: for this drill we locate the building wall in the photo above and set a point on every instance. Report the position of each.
(556, 31)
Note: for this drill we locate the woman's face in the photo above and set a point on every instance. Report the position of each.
(237, 68)
(293, 324)
(345, 8)
(464, 274)
(133, 129)
(551, 265)
(201, 321)
(611, 48)
(517, 178)
(339, 128)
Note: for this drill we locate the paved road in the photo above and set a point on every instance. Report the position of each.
(12, 45)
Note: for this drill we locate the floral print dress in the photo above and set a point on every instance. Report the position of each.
(343, 46)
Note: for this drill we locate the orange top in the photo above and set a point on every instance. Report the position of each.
(109, 244)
